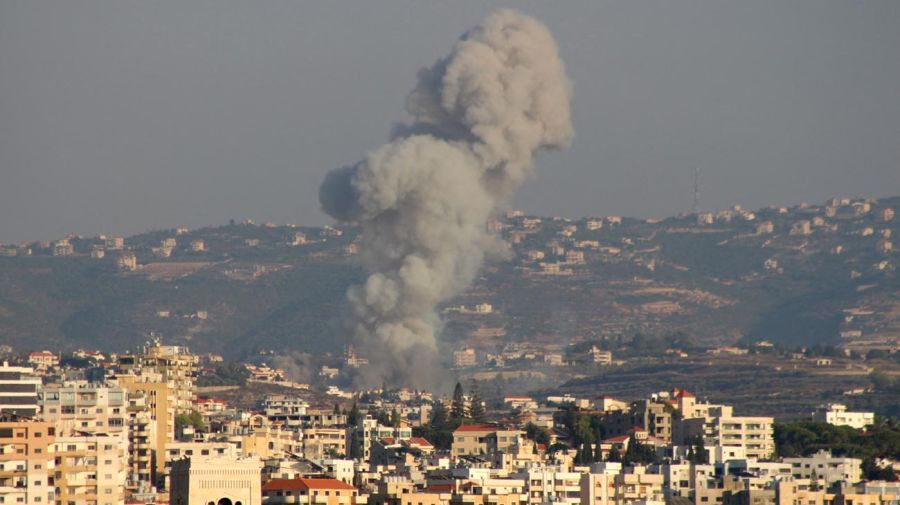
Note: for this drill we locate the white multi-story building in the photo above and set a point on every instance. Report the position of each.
(18, 390)
(551, 485)
(826, 469)
(84, 408)
(91, 468)
(837, 414)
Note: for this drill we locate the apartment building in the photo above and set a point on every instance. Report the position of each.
(26, 461)
(720, 427)
(465, 358)
(309, 492)
(217, 480)
(174, 363)
(154, 398)
(372, 430)
(480, 439)
(18, 390)
(826, 469)
(84, 407)
(286, 409)
(598, 488)
(635, 485)
(141, 441)
(551, 485)
(320, 443)
(91, 468)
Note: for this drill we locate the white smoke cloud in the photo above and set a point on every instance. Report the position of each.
(422, 201)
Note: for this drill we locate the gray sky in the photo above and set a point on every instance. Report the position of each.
(123, 116)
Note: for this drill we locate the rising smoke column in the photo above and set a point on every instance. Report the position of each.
(422, 202)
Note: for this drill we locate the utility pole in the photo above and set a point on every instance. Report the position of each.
(696, 190)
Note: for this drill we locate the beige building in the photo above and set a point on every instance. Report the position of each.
(63, 248)
(42, 360)
(320, 443)
(551, 485)
(127, 261)
(202, 480)
(26, 461)
(465, 357)
(479, 439)
(635, 485)
(153, 398)
(792, 492)
(141, 440)
(84, 407)
(309, 491)
(91, 468)
(174, 363)
(115, 242)
(612, 486)
(719, 427)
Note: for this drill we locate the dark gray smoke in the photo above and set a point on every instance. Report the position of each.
(422, 201)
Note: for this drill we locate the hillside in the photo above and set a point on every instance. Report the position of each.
(801, 275)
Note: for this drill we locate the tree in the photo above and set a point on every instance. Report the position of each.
(598, 451)
(539, 434)
(558, 446)
(700, 450)
(353, 416)
(578, 456)
(614, 454)
(194, 419)
(395, 419)
(383, 418)
(458, 407)
(476, 409)
(438, 415)
(638, 452)
(356, 445)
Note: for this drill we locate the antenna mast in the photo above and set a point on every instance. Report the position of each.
(696, 190)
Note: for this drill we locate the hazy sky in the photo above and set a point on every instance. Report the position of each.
(123, 116)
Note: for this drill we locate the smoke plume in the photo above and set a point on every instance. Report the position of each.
(422, 201)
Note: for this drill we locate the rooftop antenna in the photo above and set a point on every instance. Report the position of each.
(696, 190)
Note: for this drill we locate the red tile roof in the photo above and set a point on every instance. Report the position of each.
(420, 441)
(683, 393)
(439, 488)
(306, 484)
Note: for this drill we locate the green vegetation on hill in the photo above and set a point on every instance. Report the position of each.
(283, 288)
(804, 438)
